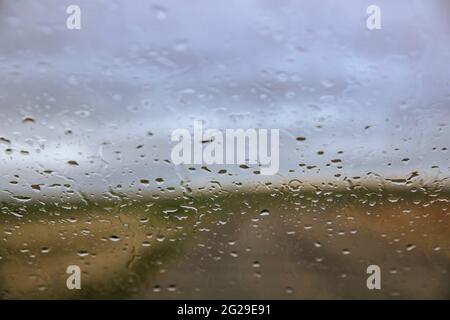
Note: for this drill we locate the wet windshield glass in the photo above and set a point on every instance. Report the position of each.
(229, 149)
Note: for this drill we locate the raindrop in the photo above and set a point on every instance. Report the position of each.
(83, 253)
(28, 120)
(160, 12)
(114, 238)
(295, 185)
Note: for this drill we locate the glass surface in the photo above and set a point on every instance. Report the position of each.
(87, 177)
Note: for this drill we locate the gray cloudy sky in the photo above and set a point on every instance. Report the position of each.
(309, 68)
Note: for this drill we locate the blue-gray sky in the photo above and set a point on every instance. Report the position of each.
(309, 68)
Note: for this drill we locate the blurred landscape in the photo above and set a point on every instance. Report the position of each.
(87, 179)
(280, 244)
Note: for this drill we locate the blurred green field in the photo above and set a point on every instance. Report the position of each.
(223, 245)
